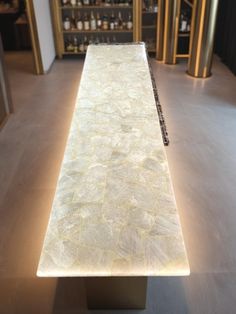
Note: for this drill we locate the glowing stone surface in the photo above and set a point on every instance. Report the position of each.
(114, 212)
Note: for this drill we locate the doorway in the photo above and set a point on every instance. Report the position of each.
(19, 31)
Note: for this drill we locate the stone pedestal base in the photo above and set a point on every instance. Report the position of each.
(116, 292)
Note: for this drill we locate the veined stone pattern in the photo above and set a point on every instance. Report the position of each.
(114, 212)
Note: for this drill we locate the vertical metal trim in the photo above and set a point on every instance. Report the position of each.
(177, 15)
(202, 38)
(57, 29)
(165, 29)
(192, 28)
(34, 37)
(171, 30)
(199, 44)
(4, 82)
(137, 16)
(160, 30)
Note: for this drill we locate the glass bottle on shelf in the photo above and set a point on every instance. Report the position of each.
(189, 25)
(67, 24)
(91, 40)
(66, 43)
(86, 2)
(73, 2)
(130, 22)
(99, 21)
(147, 6)
(105, 23)
(86, 22)
(120, 21)
(69, 45)
(155, 6)
(93, 23)
(107, 3)
(79, 3)
(75, 44)
(114, 39)
(86, 43)
(79, 22)
(188, 28)
(64, 2)
(180, 21)
(81, 46)
(116, 23)
(97, 40)
(183, 22)
(73, 20)
(112, 21)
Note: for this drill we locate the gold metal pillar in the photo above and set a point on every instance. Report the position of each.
(34, 37)
(57, 22)
(137, 17)
(160, 29)
(172, 12)
(116, 292)
(202, 38)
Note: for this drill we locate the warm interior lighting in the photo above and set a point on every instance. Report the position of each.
(114, 212)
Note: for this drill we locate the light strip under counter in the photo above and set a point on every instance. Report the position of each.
(114, 212)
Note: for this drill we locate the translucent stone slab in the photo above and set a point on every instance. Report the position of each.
(114, 212)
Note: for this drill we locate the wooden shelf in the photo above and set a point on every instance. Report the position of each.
(98, 31)
(149, 26)
(95, 7)
(184, 34)
(149, 12)
(148, 32)
(59, 11)
(182, 55)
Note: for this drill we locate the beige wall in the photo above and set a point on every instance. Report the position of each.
(45, 32)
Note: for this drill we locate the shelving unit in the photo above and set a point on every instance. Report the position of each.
(184, 36)
(158, 23)
(145, 26)
(68, 41)
(70, 7)
(149, 24)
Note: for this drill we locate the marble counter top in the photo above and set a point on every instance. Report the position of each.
(114, 212)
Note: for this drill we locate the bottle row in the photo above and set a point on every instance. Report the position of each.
(74, 44)
(150, 6)
(185, 22)
(80, 3)
(90, 23)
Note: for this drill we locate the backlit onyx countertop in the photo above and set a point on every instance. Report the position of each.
(114, 212)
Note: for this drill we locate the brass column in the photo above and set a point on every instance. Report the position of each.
(160, 29)
(34, 37)
(137, 16)
(202, 38)
(172, 11)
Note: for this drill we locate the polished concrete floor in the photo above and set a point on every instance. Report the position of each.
(201, 119)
